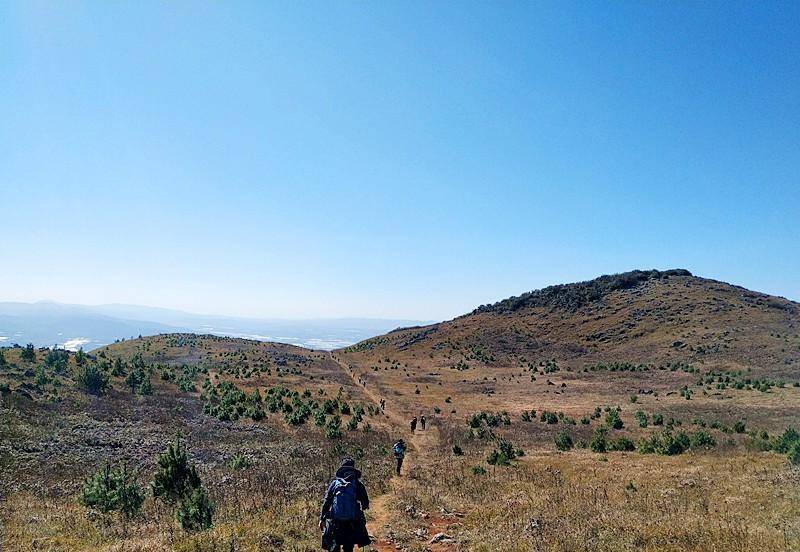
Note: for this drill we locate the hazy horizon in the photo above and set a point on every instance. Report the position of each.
(48, 323)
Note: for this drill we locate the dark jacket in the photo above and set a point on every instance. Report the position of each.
(345, 533)
(348, 474)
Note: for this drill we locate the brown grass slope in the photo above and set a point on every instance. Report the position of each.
(53, 435)
(703, 354)
(639, 316)
(707, 354)
(493, 357)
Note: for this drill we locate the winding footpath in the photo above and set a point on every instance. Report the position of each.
(421, 444)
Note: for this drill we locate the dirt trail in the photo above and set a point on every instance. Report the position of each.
(421, 444)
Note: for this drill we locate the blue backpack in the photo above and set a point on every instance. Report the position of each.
(399, 450)
(344, 507)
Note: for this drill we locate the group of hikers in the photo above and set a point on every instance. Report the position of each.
(414, 423)
(342, 520)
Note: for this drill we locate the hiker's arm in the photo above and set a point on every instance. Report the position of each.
(326, 503)
(361, 496)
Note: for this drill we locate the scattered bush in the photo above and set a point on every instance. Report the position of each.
(794, 454)
(701, 439)
(175, 476)
(598, 442)
(623, 444)
(503, 455)
(195, 511)
(57, 359)
(240, 462)
(786, 441)
(113, 490)
(665, 443)
(491, 419)
(333, 429)
(92, 379)
(28, 353)
(613, 419)
(458, 451)
(563, 441)
(548, 417)
(177, 483)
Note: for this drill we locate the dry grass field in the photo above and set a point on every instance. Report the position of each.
(642, 412)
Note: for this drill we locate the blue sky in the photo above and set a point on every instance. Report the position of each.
(392, 159)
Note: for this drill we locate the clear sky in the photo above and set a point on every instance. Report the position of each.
(392, 159)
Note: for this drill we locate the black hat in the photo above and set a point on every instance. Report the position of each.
(348, 462)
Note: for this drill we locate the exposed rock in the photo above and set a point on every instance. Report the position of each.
(440, 538)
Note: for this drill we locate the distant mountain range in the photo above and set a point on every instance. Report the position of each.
(47, 323)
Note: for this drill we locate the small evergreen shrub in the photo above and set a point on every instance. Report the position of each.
(92, 379)
(28, 353)
(195, 511)
(503, 455)
(177, 483)
(333, 429)
(701, 439)
(794, 454)
(563, 441)
(622, 444)
(240, 462)
(548, 417)
(786, 441)
(175, 477)
(613, 419)
(598, 442)
(113, 490)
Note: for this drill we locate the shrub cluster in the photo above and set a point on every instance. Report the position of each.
(489, 418)
(92, 379)
(503, 454)
(177, 483)
(113, 490)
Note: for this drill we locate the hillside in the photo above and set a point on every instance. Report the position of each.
(636, 316)
(570, 346)
(641, 411)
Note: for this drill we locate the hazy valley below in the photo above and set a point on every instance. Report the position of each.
(48, 323)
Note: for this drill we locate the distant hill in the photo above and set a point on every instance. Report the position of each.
(72, 326)
(638, 316)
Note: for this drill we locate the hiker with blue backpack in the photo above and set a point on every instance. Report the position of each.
(399, 450)
(342, 519)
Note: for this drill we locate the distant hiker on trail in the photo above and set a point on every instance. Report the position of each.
(342, 519)
(422, 422)
(413, 424)
(383, 405)
(399, 450)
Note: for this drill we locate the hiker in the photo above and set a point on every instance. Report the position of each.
(342, 519)
(422, 421)
(399, 450)
(383, 405)
(413, 424)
